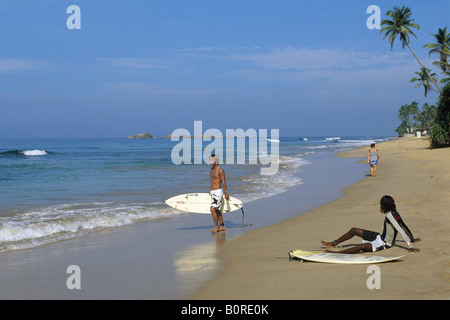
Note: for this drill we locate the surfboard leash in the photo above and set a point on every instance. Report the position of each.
(243, 224)
(243, 215)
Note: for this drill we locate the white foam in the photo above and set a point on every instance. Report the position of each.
(355, 143)
(260, 186)
(316, 147)
(67, 221)
(32, 153)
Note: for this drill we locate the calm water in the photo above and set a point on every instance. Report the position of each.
(56, 189)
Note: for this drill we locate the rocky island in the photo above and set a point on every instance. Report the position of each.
(144, 135)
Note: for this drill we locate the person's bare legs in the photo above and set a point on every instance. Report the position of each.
(364, 247)
(372, 170)
(346, 236)
(221, 224)
(218, 218)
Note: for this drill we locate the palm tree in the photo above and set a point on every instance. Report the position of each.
(445, 80)
(408, 114)
(426, 116)
(401, 25)
(441, 47)
(447, 66)
(424, 80)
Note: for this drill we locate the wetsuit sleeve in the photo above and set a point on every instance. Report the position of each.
(401, 227)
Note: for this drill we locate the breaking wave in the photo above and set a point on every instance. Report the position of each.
(60, 222)
(28, 153)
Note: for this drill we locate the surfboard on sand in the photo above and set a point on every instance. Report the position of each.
(326, 257)
(200, 203)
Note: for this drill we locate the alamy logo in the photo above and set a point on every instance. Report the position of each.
(374, 281)
(373, 22)
(74, 280)
(74, 20)
(258, 152)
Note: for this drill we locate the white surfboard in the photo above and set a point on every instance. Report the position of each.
(326, 257)
(200, 203)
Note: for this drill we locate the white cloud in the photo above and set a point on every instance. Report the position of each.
(304, 59)
(307, 59)
(214, 50)
(154, 89)
(331, 66)
(135, 63)
(335, 69)
(15, 65)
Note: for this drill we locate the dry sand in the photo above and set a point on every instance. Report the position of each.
(256, 264)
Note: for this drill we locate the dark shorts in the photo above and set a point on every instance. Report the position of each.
(374, 238)
(369, 235)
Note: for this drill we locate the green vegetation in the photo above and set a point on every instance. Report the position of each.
(434, 120)
(423, 79)
(440, 130)
(442, 48)
(400, 25)
(415, 119)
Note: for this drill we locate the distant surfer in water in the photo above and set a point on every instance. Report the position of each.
(373, 241)
(216, 193)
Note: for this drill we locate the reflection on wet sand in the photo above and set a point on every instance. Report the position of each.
(197, 264)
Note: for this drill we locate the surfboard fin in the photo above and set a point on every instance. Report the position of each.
(292, 258)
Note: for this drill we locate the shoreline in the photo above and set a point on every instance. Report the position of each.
(256, 264)
(166, 259)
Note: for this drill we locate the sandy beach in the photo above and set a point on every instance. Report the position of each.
(256, 264)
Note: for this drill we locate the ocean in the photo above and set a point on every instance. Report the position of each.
(57, 189)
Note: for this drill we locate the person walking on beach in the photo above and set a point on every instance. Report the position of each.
(373, 241)
(372, 159)
(216, 193)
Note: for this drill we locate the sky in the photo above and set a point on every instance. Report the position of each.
(306, 68)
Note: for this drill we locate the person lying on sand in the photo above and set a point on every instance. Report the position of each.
(373, 241)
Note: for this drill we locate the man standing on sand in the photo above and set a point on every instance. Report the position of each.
(216, 193)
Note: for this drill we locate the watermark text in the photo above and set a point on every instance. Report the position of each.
(190, 148)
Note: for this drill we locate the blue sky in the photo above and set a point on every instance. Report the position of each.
(307, 68)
